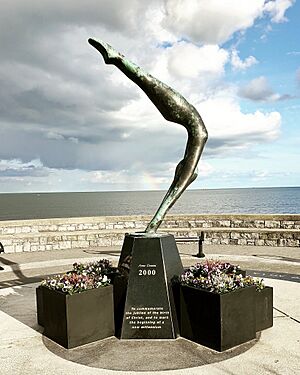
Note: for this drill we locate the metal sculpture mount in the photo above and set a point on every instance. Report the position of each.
(173, 107)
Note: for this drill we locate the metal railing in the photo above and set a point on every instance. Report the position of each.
(1, 251)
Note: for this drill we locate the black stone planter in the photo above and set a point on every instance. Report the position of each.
(74, 320)
(218, 321)
(39, 305)
(264, 308)
(39, 295)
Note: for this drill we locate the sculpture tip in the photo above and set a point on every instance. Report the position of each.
(92, 42)
(107, 51)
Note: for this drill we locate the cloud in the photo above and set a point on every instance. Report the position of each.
(16, 168)
(215, 22)
(208, 59)
(211, 21)
(277, 9)
(294, 53)
(231, 130)
(54, 135)
(239, 64)
(258, 177)
(114, 15)
(259, 90)
(205, 169)
(298, 76)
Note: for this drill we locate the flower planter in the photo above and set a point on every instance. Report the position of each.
(77, 319)
(264, 308)
(39, 305)
(218, 321)
(39, 300)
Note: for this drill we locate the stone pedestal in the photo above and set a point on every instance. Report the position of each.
(144, 299)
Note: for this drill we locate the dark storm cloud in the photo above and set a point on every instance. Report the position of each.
(29, 15)
(107, 150)
(48, 98)
(57, 99)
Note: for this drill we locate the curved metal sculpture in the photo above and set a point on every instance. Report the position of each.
(174, 108)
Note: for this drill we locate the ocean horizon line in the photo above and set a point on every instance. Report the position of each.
(146, 190)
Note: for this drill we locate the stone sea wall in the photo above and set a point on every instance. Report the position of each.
(84, 232)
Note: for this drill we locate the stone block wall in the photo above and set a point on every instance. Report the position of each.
(68, 233)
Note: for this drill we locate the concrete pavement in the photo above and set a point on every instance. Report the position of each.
(24, 350)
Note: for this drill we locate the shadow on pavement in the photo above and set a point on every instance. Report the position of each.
(276, 257)
(21, 279)
(145, 355)
(101, 252)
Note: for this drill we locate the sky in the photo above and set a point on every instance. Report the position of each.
(68, 122)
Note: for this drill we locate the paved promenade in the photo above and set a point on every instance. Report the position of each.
(24, 350)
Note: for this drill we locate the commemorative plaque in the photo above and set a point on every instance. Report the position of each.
(148, 264)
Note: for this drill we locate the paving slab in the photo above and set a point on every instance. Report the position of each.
(24, 350)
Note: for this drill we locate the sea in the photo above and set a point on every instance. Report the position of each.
(278, 200)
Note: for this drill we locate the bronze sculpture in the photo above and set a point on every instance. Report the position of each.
(174, 108)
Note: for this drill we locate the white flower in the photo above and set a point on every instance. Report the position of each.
(104, 279)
